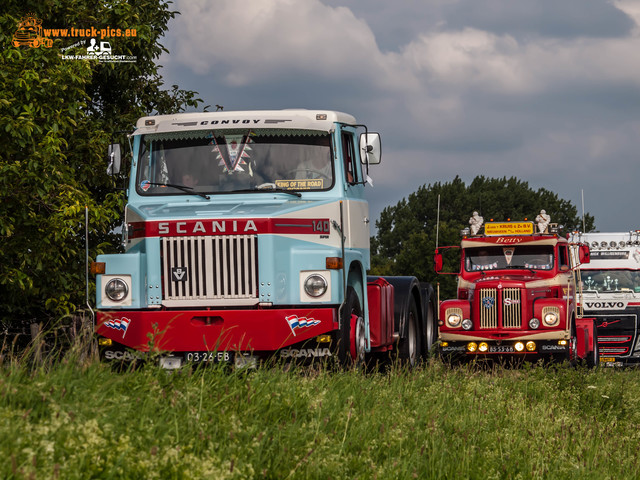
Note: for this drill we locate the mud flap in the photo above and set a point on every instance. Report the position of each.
(585, 333)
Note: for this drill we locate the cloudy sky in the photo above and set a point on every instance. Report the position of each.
(547, 90)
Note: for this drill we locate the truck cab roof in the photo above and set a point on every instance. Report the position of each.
(294, 119)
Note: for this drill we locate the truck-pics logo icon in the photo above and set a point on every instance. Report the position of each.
(29, 33)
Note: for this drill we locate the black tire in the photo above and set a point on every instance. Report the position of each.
(431, 331)
(409, 348)
(351, 307)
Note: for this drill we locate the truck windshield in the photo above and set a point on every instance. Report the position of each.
(241, 160)
(530, 257)
(604, 281)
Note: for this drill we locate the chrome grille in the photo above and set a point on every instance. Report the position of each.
(511, 307)
(488, 308)
(209, 268)
(507, 301)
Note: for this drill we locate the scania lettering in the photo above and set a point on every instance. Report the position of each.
(246, 237)
(516, 294)
(611, 293)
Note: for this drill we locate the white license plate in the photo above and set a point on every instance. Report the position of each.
(208, 357)
(501, 349)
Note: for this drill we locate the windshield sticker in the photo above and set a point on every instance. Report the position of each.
(301, 184)
(145, 185)
(237, 152)
(508, 254)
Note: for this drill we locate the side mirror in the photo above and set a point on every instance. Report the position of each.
(114, 159)
(370, 148)
(584, 254)
(437, 262)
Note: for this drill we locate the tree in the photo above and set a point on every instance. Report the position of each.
(57, 117)
(406, 238)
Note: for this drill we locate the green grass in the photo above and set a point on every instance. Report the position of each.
(82, 420)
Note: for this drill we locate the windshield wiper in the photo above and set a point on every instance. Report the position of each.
(184, 188)
(268, 188)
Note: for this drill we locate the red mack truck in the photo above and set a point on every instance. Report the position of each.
(246, 237)
(516, 295)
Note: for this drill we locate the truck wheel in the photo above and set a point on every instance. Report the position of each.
(345, 344)
(572, 355)
(431, 332)
(409, 347)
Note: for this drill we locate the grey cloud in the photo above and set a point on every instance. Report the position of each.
(542, 18)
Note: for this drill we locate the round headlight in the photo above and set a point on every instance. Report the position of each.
(594, 244)
(534, 323)
(613, 244)
(551, 319)
(472, 346)
(531, 346)
(467, 324)
(519, 346)
(453, 320)
(483, 347)
(315, 285)
(116, 289)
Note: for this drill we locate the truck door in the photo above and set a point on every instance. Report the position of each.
(357, 209)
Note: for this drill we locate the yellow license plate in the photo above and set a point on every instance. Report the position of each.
(607, 359)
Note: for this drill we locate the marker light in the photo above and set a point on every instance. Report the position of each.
(562, 342)
(334, 263)
(98, 267)
(519, 346)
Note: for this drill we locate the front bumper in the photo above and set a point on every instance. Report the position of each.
(215, 330)
(515, 348)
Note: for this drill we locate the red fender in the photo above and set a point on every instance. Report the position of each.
(585, 332)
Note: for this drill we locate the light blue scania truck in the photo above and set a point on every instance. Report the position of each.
(246, 237)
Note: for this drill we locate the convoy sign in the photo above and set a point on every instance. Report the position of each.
(508, 228)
